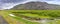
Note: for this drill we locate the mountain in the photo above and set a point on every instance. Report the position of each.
(36, 6)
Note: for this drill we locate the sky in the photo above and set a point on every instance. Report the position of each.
(7, 4)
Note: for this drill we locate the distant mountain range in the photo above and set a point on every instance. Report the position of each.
(36, 6)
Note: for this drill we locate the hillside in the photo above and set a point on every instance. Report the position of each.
(36, 6)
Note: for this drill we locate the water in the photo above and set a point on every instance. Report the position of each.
(12, 15)
(43, 21)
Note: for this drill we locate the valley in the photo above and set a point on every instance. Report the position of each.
(31, 16)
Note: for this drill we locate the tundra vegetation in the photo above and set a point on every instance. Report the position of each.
(33, 13)
(37, 16)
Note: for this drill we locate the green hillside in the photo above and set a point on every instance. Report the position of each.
(49, 15)
(32, 15)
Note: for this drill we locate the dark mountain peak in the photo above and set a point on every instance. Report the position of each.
(35, 6)
(35, 2)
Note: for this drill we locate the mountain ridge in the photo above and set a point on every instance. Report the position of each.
(36, 6)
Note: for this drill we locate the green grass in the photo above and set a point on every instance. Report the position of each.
(51, 13)
(33, 13)
(39, 13)
(24, 21)
(58, 21)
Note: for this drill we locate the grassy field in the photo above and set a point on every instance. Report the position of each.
(43, 14)
(9, 19)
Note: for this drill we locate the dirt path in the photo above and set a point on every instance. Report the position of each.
(2, 20)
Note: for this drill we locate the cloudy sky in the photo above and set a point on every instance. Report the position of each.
(7, 4)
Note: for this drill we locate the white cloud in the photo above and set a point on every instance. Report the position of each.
(53, 2)
(10, 5)
(48, 1)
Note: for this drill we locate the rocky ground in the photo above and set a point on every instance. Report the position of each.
(2, 20)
